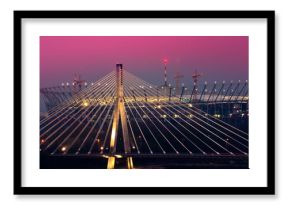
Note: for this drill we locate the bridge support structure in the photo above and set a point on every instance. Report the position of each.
(119, 114)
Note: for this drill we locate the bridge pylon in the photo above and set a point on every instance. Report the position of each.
(119, 113)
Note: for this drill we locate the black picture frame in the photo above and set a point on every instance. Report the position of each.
(269, 189)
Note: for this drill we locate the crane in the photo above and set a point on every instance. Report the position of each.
(77, 82)
(195, 77)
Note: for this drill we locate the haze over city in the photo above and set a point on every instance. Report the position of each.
(217, 57)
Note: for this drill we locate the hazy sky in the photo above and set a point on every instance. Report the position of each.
(217, 57)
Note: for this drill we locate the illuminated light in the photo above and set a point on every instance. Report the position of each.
(214, 82)
(99, 84)
(85, 104)
(63, 149)
(113, 138)
(159, 106)
(150, 86)
(86, 83)
(106, 84)
(243, 115)
(102, 148)
(190, 116)
(118, 156)
(189, 105)
(145, 116)
(62, 84)
(217, 115)
(176, 116)
(165, 61)
(230, 114)
(92, 83)
(67, 83)
(111, 163)
(133, 147)
(130, 163)
(163, 116)
(42, 141)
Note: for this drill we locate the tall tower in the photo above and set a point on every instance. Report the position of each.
(195, 77)
(165, 61)
(119, 113)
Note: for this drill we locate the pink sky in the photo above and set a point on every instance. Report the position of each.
(217, 57)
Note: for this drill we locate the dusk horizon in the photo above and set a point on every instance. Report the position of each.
(217, 57)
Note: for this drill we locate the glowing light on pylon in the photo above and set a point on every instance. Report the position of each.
(165, 61)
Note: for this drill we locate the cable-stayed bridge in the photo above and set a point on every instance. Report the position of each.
(121, 116)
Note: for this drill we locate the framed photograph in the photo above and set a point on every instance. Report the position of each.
(144, 102)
